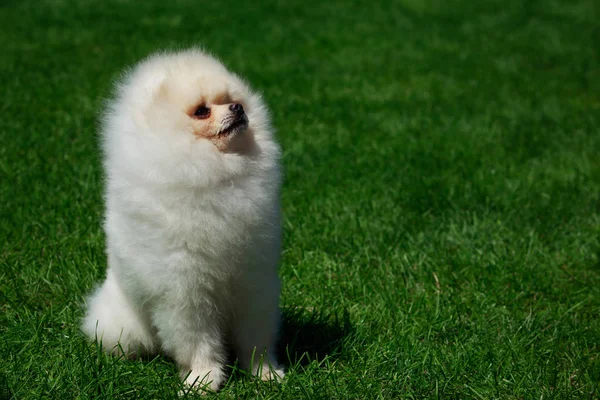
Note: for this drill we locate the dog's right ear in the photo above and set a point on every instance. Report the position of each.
(153, 86)
(140, 86)
(161, 91)
(143, 89)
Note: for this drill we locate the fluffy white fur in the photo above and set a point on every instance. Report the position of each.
(192, 222)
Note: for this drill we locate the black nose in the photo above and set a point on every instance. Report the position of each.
(236, 108)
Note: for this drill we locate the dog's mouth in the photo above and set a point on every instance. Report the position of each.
(238, 125)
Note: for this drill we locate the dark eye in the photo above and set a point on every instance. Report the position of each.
(202, 112)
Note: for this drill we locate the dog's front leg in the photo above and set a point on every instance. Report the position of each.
(192, 335)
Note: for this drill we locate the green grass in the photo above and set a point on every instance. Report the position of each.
(442, 192)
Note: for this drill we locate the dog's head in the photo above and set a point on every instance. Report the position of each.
(192, 93)
(186, 112)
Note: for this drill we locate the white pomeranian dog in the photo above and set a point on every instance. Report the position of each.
(193, 222)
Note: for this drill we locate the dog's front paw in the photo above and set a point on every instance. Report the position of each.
(270, 373)
(203, 381)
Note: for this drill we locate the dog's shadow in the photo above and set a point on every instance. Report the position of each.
(308, 335)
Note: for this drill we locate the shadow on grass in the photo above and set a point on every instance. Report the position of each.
(5, 393)
(308, 335)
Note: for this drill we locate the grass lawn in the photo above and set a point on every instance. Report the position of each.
(441, 198)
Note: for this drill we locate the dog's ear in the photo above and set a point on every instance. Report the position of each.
(154, 90)
(161, 90)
